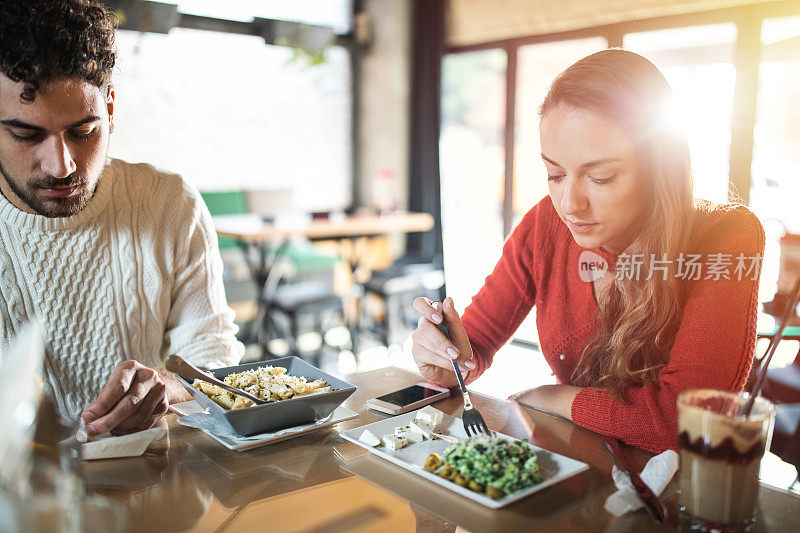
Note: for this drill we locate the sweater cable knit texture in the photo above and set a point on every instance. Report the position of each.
(713, 347)
(135, 275)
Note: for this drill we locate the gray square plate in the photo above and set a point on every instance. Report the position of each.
(283, 413)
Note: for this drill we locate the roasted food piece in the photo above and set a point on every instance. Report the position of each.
(492, 465)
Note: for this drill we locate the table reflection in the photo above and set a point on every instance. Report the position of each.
(158, 493)
(320, 482)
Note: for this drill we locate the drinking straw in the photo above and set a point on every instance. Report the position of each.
(773, 344)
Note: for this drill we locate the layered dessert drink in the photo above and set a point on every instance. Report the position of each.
(720, 454)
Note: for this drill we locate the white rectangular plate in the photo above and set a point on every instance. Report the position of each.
(339, 415)
(555, 467)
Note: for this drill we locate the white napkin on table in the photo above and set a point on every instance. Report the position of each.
(656, 474)
(131, 445)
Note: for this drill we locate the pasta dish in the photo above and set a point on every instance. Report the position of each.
(268, 383)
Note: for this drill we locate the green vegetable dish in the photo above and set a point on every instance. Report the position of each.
(494, 466)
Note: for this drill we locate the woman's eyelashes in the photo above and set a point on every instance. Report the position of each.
(599, 180)
(604, 180)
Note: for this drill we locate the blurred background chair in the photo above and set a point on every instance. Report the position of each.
(290, 294)
(395, 289)
(786, 435)
(297, 307)
(298, 298)
(782, 385)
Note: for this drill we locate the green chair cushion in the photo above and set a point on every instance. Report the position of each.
(788, 332)
(225, 203)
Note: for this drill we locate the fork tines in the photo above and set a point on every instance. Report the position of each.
(474, 424)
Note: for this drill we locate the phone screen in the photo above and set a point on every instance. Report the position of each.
(408, 395)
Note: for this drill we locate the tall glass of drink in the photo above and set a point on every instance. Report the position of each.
(720, 454)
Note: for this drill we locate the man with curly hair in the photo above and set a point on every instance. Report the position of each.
(118, 262)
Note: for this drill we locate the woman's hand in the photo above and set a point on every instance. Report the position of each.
(432, 351)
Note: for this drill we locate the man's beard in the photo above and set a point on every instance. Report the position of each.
(53, 207)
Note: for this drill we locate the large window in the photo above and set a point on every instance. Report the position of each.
(776, 150)
(698, 64)
(231, 112)
(472, 168)
(775, 186)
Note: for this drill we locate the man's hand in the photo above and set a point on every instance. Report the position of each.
(133, 400)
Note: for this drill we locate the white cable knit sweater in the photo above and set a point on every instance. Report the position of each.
(135, 275)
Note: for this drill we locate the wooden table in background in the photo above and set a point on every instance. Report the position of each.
(321, 483)
(253, 229)
(263, 242)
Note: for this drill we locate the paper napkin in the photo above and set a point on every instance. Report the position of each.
(125, 446)
(656, 474)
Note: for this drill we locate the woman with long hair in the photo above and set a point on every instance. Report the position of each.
(641, 291)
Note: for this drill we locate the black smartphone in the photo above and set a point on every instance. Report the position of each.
(408, 399)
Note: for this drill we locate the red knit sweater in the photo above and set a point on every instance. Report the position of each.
(714, 344)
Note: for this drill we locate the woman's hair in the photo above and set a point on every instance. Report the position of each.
(46, 40)
(638, 317)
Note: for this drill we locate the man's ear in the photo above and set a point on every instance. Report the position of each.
(110, 106)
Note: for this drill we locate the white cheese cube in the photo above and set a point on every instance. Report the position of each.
(409, 433)
(368, 438)
(422, 427)
(431, 416)
(394, 442)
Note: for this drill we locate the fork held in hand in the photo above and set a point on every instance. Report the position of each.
(472, 419)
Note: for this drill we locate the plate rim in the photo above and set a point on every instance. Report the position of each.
(286, 436)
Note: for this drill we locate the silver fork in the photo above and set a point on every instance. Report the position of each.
(472, 419)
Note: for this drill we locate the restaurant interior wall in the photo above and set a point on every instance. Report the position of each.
(384, 113)
(481, 21)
